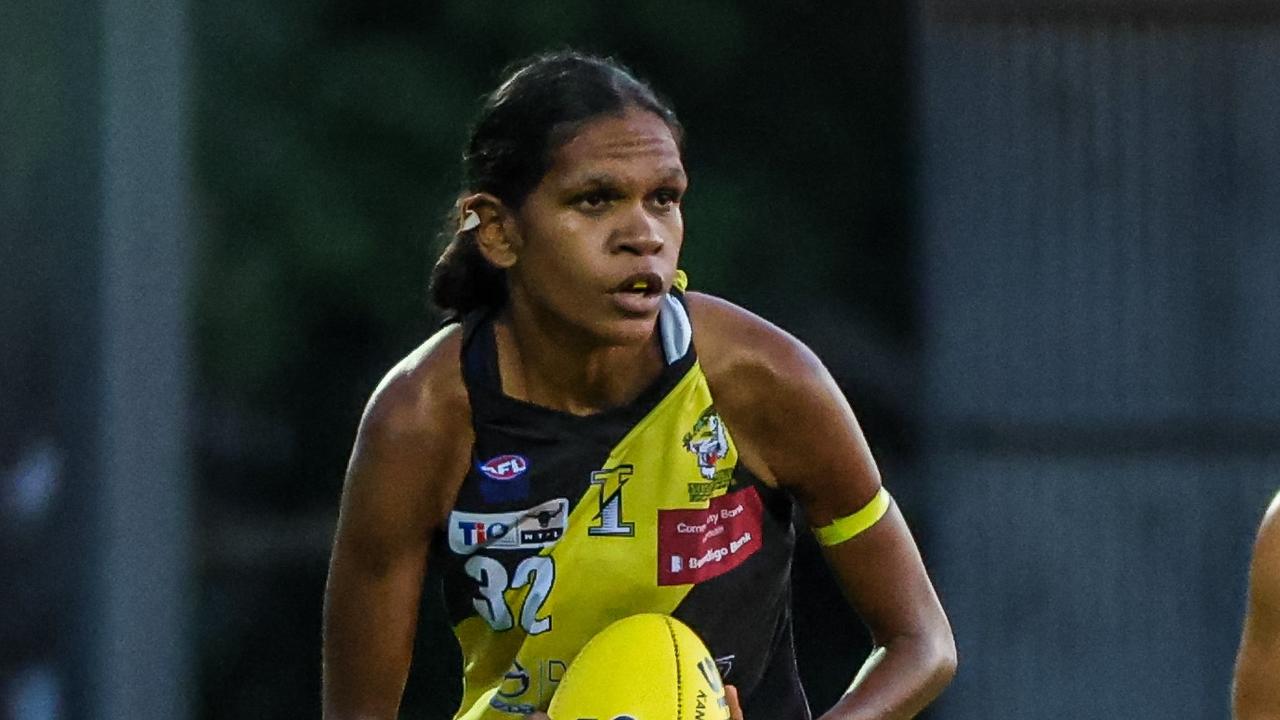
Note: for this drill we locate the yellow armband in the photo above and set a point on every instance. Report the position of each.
(850, 526)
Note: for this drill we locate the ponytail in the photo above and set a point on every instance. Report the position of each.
(463, 280)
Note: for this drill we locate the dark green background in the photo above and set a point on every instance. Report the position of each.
(1034, 241)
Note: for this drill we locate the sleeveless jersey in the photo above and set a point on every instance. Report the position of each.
(567, 523)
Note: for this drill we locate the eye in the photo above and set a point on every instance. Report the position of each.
(594, 200)
(666, 198)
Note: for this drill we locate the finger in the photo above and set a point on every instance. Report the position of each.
(735, 709)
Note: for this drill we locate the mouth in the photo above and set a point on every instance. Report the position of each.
(639, 295)
(641, 284)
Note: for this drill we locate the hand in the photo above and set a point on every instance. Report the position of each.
(537, 715)
(735, 710)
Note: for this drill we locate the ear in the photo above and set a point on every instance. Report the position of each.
(496, 234)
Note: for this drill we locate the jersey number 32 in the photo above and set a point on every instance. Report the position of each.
(538, 571)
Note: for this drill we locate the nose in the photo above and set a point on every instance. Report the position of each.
(637, 234)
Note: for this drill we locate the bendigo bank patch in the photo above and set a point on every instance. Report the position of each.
(700, 544)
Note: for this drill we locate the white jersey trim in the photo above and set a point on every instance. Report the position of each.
(675, 329)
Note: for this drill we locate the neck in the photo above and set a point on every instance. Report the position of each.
(546, 362)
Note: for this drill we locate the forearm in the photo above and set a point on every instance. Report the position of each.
(899, 680)
(369, 625)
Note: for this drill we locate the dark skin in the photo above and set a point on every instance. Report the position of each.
(587, 256)
(1256, 693)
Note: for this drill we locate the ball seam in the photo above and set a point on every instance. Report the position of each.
(675, 647)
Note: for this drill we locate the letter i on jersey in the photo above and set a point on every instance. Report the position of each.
(611, 481)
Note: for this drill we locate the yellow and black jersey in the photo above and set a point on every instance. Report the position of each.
(565, 524)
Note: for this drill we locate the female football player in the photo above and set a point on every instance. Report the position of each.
(589, 440)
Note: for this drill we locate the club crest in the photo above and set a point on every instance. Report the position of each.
(709, 444)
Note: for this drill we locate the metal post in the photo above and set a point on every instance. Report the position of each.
(143, 587)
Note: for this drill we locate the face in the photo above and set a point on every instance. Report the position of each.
(598, 239)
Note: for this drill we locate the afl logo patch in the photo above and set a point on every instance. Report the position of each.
(504, 467)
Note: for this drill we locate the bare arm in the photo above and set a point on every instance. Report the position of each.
(796, 429)
(409, 455)
(1256, 691)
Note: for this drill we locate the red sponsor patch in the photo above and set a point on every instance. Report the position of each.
(697, 545)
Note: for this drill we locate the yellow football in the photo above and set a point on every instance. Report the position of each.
(643, 667)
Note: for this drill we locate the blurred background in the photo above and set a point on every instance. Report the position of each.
(1037, 243)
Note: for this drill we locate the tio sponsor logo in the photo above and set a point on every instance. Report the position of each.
(534, 527)
(504, 467)
(478, 533)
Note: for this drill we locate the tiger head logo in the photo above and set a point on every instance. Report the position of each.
(708, 442)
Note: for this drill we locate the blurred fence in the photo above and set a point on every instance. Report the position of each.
(1101, 278)
(96, 576)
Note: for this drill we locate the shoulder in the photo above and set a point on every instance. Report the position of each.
(421, 390)
(794, 427)
(415, 434)
(1266, 555)
(1270, 531)
(739, 347)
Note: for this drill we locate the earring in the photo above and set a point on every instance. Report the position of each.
(470, 221)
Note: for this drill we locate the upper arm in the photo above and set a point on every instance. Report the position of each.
(1257, 694)
(410, 454)
(397, 487)
(782, 405)
(794, 426)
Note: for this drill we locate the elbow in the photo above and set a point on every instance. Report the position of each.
(942, 660)
(931, 659)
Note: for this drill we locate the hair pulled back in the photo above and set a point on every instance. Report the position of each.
(538, 107)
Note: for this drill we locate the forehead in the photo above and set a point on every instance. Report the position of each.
(630, 146)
